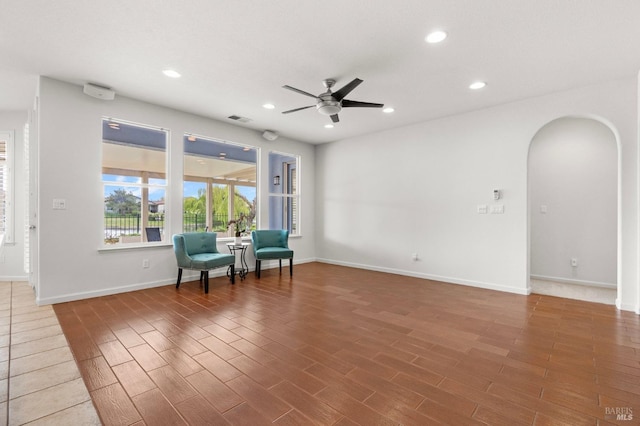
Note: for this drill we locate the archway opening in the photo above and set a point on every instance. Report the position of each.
(573, 210)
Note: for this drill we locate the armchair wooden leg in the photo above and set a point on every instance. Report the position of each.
(258, 266)
(206, 282)
(291, 267)
(280, 263)
(233, 274)
(179, 277)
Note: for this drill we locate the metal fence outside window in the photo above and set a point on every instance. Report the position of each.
(116, 225)
(197, 222)
(131, 224)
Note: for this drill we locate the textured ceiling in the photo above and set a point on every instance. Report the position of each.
(236, 56)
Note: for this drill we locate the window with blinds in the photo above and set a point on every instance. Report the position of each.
(27, 195)
(6, 141)
(284, 196)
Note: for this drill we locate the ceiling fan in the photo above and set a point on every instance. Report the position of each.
(331, 104)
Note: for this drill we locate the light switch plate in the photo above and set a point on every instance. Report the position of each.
(482, 209)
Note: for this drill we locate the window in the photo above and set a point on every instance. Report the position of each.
(219, 185)
(134, 180)
(6, 186)
(284, 197)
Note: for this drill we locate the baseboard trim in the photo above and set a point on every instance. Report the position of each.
(14, 278)
(627, 307)
(574, 281)
(104, 292)
(449, 280)
(188, 275)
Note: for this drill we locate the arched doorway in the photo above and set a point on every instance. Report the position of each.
(573, 210)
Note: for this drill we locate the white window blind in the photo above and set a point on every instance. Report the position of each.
(27, 193)
(6, 142)
(3, 185)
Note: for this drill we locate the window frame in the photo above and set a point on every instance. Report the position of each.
(293, 224)
(7, 181)
(217, 179)
(143, 187)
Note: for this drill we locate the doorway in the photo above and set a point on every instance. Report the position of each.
(573, 210)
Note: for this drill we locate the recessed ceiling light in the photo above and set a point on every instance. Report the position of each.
(268, 106)
(435, 37)
(222, 154)
(328, 126)
(246, 148)
(172, 73)
(388, 110)
(477, 85)
(191, 138)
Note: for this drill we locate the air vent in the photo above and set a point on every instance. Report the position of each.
(240, 119)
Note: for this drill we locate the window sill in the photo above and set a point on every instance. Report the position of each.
(247, 239)
(134, 246)
(119, 247)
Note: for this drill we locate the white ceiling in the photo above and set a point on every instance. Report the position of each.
(235, 56)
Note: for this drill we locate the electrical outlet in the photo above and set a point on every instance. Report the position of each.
(497, 209)
(574, 262)
(414, 256)
(145, 263)
(59, 204)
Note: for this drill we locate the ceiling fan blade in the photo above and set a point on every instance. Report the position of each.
(335, 118)
(346, 103)
(302, 92)
(345, 90)
(297, 109)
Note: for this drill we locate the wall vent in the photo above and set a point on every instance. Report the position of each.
(239, 118)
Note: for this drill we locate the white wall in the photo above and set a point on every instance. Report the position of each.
(573, 173)
(71, 266)
(12, 257)
(416, 189)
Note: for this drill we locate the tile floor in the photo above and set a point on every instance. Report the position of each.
(575, 291)
(341, 346)
(40, 383)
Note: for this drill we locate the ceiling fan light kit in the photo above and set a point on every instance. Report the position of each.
(328, 107)
(331, 103)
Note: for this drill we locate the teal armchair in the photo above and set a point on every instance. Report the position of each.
(198, 251)
(271, 244)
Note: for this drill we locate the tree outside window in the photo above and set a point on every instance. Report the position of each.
(219, 184)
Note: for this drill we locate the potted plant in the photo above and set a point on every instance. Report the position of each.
(238, 227)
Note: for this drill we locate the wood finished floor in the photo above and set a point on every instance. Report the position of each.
(341, 346)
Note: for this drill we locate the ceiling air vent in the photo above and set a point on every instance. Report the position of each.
(240, 119)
